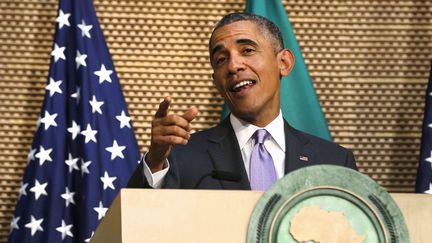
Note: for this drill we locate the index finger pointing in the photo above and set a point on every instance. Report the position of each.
(163, 107)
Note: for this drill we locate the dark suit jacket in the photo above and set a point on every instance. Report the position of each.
(217, 149)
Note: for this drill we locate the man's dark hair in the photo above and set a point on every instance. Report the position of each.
(267, 28)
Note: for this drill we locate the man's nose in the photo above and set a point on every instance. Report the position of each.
(235, 64)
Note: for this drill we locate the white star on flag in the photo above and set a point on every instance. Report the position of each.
(124, 120)
(76, 95)
(80, 59)
(14, 223)
(63, 19)
(85, 29)
(75, 129)
(96, 105)
(49, 120)
(58, 52)
(104, 74)
(31, 155)
(88, 239)
(108, 181)
(90, 135)
(100, 210)
(43, 155)
(116, 150)
(35, 225)
(84, 167)
(68, 196)
(72, 163)
(22, 190)
(54, 87)
(430, 189)
(39, 189)
(65, 229)
(429, 159)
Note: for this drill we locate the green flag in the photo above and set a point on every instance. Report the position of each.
(299, 102)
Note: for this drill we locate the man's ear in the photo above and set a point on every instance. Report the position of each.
(286, 62)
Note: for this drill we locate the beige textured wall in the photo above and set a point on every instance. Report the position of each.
(369, 61)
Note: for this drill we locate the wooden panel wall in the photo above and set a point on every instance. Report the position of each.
(369, 60)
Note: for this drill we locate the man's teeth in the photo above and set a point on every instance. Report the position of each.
(242, 83)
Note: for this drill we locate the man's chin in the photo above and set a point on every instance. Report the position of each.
(245, 115)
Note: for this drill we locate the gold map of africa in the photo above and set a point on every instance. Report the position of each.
(313, 224)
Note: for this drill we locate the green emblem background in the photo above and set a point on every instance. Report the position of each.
(369, 209)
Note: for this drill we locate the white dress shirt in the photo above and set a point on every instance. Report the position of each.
(275, 146)
(243, 131)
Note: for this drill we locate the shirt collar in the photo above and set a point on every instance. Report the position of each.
(244, 130)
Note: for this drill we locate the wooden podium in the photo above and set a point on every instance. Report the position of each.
(163, 216)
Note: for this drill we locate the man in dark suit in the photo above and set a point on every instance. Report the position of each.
(248, 61)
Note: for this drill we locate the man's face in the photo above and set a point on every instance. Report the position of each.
(246, 71)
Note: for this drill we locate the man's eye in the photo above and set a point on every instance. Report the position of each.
(220, 60)
(248, 50)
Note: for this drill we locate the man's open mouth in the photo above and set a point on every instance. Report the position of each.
(243, 84)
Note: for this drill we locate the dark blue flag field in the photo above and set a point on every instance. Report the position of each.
(84, 148)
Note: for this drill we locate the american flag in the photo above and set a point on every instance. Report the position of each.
(424, 173)
(84, 148)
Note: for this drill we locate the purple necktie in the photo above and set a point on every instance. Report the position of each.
(262, 170)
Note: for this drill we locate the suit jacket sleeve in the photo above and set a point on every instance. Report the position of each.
(138, 179)
(350, 161)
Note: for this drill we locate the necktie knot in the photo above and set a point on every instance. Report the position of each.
(261, 135)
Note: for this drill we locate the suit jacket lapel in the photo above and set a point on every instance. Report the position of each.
(225, 155)
(297, 154)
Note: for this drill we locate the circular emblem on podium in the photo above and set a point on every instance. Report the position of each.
(326, 204)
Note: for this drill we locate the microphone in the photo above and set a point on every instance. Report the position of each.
(220, 175)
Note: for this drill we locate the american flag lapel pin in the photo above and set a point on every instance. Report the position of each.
(304, 158)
